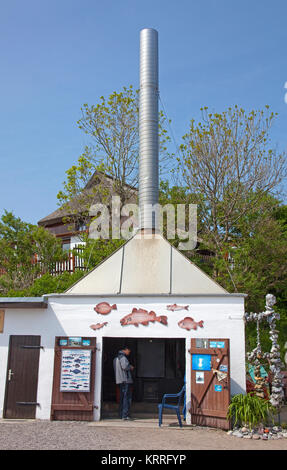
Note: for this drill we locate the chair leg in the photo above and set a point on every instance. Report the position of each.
(179, 418)
(159, 416)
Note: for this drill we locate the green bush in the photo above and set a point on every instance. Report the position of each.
(249, 410)
(48, 284)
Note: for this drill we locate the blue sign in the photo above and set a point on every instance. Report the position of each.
(218, 388)
(217, 344)
(201, 362)
(223, 368)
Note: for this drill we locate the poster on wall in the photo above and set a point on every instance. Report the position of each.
(201, 362)
(75, 370)
(199, 377)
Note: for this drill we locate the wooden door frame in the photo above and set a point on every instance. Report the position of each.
(84, 405)
(219, 353)
(10, 352)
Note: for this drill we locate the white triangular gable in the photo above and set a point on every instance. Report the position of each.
(149, 265)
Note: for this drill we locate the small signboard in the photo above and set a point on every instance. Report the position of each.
(199, 377)
(201, 362)
(201, 343)
(218, 388)
(75, 370)
(217, 344)
(75, 341)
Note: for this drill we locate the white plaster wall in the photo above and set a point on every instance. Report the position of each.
(72, 316)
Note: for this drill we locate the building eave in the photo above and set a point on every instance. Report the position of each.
(23, 302)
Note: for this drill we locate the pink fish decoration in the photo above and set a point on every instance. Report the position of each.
(104, 308)
(143, 317)
(188, 323)
(176, 307)
(98, 325)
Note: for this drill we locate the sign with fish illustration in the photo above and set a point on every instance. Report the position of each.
(104, 308)
(75, 370)
(140, 316)
(175, 307)
(189, 323)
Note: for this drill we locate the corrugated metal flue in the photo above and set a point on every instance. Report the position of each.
(148, 128)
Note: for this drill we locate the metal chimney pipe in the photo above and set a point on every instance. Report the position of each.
(148, 128)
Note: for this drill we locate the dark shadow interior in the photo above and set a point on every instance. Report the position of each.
(159, 369)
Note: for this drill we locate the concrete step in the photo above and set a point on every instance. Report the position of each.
(138, 410)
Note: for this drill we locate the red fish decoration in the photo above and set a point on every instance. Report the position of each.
(104, 308)
(176, 307)
(143, 317)
(98, 325)
(188, 323)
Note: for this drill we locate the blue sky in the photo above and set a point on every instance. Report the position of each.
(57, 55)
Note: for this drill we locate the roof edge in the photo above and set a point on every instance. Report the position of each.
(223, 294)
(23, 302)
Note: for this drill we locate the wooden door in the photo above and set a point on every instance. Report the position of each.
(22, 377)
(73, 405)
(210, 389)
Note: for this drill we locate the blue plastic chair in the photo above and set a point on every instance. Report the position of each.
(180, 395)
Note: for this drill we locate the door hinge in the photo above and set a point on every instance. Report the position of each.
(28, 403)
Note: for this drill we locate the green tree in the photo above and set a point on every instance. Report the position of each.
(112, 125)
(228, 160)
(26, 251)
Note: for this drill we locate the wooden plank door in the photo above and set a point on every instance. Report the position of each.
(72, 405)
(22, 377)
(210, 389)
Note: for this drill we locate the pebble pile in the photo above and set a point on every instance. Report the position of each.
(275, 432)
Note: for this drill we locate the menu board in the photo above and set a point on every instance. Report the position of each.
(75, 370)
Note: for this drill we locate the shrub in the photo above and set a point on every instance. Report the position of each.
(249, 410)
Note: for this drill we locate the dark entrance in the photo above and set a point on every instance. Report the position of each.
(22, 377)
(159, 368)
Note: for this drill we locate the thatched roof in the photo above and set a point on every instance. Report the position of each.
(89, 191)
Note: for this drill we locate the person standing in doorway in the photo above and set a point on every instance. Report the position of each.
(123, 378)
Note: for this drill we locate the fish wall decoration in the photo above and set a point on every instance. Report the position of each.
(140, 316)
(189, 323)
(98, 326)
(104, 308)
(175, 307)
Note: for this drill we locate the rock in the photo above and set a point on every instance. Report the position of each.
(244, 429)
(256, 437)
(229, 433)
(247, 436)
(276, 429)
(237, 434)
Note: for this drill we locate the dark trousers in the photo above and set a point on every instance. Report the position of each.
(125, 400)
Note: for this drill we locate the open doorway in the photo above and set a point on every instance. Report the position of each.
(159, 368)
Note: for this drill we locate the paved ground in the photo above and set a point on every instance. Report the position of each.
(118, 435)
